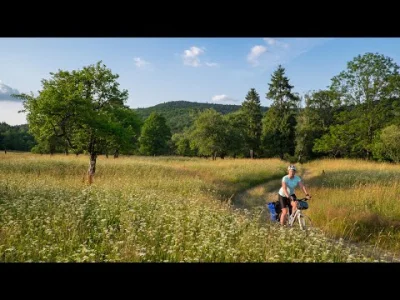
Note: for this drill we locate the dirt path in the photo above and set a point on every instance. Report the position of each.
(260, 195)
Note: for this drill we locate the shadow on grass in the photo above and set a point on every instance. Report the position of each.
(373, 224)
(377, 232)
(258, 196)
(232, 191)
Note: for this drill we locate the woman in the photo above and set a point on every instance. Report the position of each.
(286, 193)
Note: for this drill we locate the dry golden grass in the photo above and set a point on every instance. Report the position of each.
(145, 209)
(356, 199)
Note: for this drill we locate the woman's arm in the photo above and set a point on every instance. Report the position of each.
(284, 186)
(303, 187)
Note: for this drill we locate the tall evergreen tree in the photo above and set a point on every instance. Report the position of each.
(278, 131)
(251, 109)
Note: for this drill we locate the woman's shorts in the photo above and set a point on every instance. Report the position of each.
(284, 201)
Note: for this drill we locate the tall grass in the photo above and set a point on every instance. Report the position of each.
(145, 209)
(357, 200)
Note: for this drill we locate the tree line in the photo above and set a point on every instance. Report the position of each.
(15, 137)
(177, 113)
(357, 116)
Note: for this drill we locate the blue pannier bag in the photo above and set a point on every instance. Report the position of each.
(272, 211)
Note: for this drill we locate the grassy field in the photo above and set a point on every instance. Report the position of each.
(357, 200)
(161, 209)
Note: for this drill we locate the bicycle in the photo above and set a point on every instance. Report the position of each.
(298, 215)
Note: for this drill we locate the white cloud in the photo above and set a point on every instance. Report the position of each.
(255, 53)
(270, 41)
(223, 98)
(191, 56)
(276, 42)
(282, 51)
(140, 62)
(6, 92)
(212, 64)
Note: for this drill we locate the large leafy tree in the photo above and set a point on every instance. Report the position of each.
(155, 135)
(210, 134)
(181, 144)
(84, 108)
(314, 121)
(388, 143)
(367, 90)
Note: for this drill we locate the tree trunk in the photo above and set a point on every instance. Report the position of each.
(299, 159)
(116, 153)
(5, 150)
(107, 154)
(92, 167)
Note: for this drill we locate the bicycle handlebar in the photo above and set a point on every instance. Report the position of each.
(303, 199)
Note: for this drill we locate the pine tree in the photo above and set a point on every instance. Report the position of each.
(278, 134)
(251, 109)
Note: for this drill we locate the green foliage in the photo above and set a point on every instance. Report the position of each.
(180, 114)
(367, 87)
(339, 142)
(209, 134)
(83, 112)
(278, 131)
(128, 132)
(83, 109)
(388, 144)
(236, 134)
(16, 138)
(280, 92)
(314, 121)
(252, 115)
(273, 131)
(181, 144)
(155, 135)
(368, 78)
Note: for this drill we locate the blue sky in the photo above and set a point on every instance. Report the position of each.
(156, 70)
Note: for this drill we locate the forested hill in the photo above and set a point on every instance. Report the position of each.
(15, 137)
(178, 113)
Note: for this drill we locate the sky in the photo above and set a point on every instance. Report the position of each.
(158, 70)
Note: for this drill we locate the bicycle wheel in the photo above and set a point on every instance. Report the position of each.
(304, 221)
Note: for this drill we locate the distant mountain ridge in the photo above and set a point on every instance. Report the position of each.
(177, 113)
